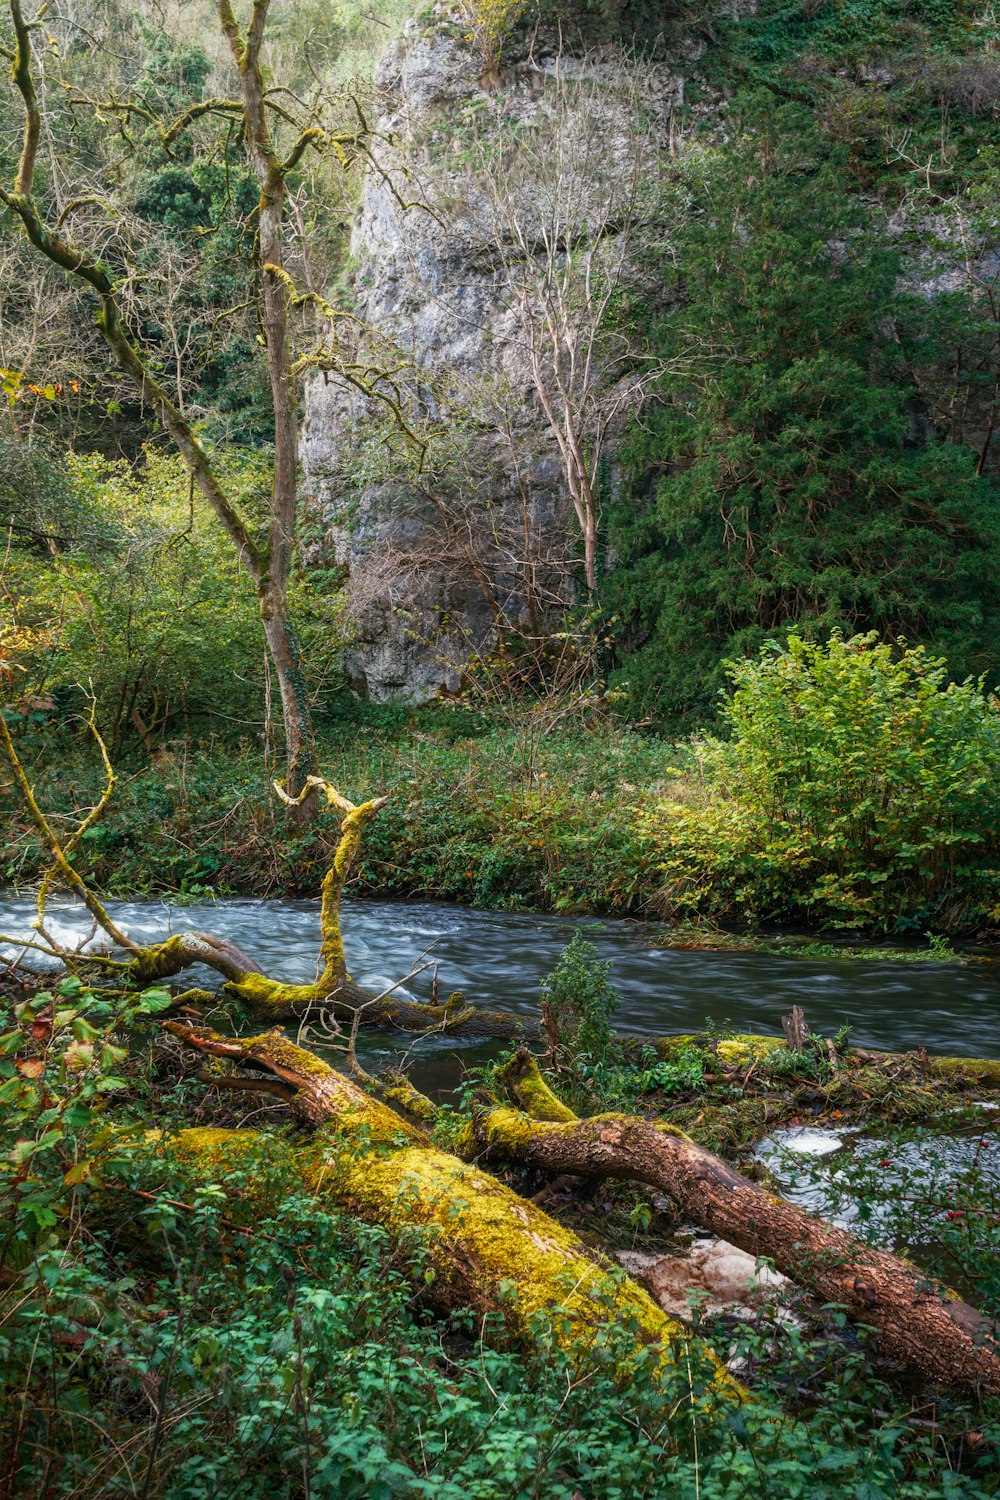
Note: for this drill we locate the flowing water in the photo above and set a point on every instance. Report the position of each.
(828, 1171)
(499, 959)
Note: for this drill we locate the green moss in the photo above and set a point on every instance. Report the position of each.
(985, 1070)
(274, 1046)
(219, 1150)
(402, 1095)
(732, 1050)
(507, 1130)
(515, 1254)
(269, 995)
(747, 1048)
(486, 1245)
(666, 1046)
(533, 1093)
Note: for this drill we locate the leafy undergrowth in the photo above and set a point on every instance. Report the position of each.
(477, 814)
(166, 1336)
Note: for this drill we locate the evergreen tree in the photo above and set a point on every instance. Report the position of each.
(797, 481)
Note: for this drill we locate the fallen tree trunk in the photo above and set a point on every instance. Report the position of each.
(489, 1249)
(912, 1320)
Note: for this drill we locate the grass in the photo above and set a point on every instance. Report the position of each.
(483, 815)
(709, 938)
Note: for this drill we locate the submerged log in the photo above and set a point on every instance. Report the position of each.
(489, 1249)
(913, 1320)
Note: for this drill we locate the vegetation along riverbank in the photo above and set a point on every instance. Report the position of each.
(853, 789)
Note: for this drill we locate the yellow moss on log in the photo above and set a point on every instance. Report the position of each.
(733, 1050)
(523, 1075)
(281, 1052)
(666, 1046)
(264, 994)
(221, 1150)
(747, 1048)
(489, 1249)
(985, 1070)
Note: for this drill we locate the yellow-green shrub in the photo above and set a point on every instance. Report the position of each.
(858, 785)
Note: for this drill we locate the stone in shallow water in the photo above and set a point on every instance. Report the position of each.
(729, 1276)
(806, 1140)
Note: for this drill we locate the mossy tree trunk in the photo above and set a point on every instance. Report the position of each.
(913, 1319)
(489, 1249)
(334, 994)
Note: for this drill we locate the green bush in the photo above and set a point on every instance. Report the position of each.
(580, 1000)
(859, 786)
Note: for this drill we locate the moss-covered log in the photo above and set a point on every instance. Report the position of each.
(913, 1320)
(335, 993)
(489, 1249)
(749, 1047)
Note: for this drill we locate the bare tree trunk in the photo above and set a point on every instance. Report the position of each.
(300, 745)
(272, 179)
(912, 1319)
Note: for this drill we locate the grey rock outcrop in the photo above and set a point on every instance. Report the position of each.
(435, 559)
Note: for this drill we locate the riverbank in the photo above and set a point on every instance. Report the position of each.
(800, 816)
(387, 1388)
(490, 816)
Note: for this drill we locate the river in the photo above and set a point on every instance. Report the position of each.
(500, 959)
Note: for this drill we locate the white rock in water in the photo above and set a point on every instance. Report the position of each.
(805, 1140)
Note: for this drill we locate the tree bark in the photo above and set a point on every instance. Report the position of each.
(489, 1249)
(272, 180)
(913, 1320)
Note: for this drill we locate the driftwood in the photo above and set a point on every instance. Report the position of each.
(912, 1320)
(489, 1249)
(796, 1029)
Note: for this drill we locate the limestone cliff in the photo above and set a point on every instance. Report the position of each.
(437, 559)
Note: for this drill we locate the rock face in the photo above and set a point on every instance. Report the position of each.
(483, 536)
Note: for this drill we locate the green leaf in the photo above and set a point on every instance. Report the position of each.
(152, 1001)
